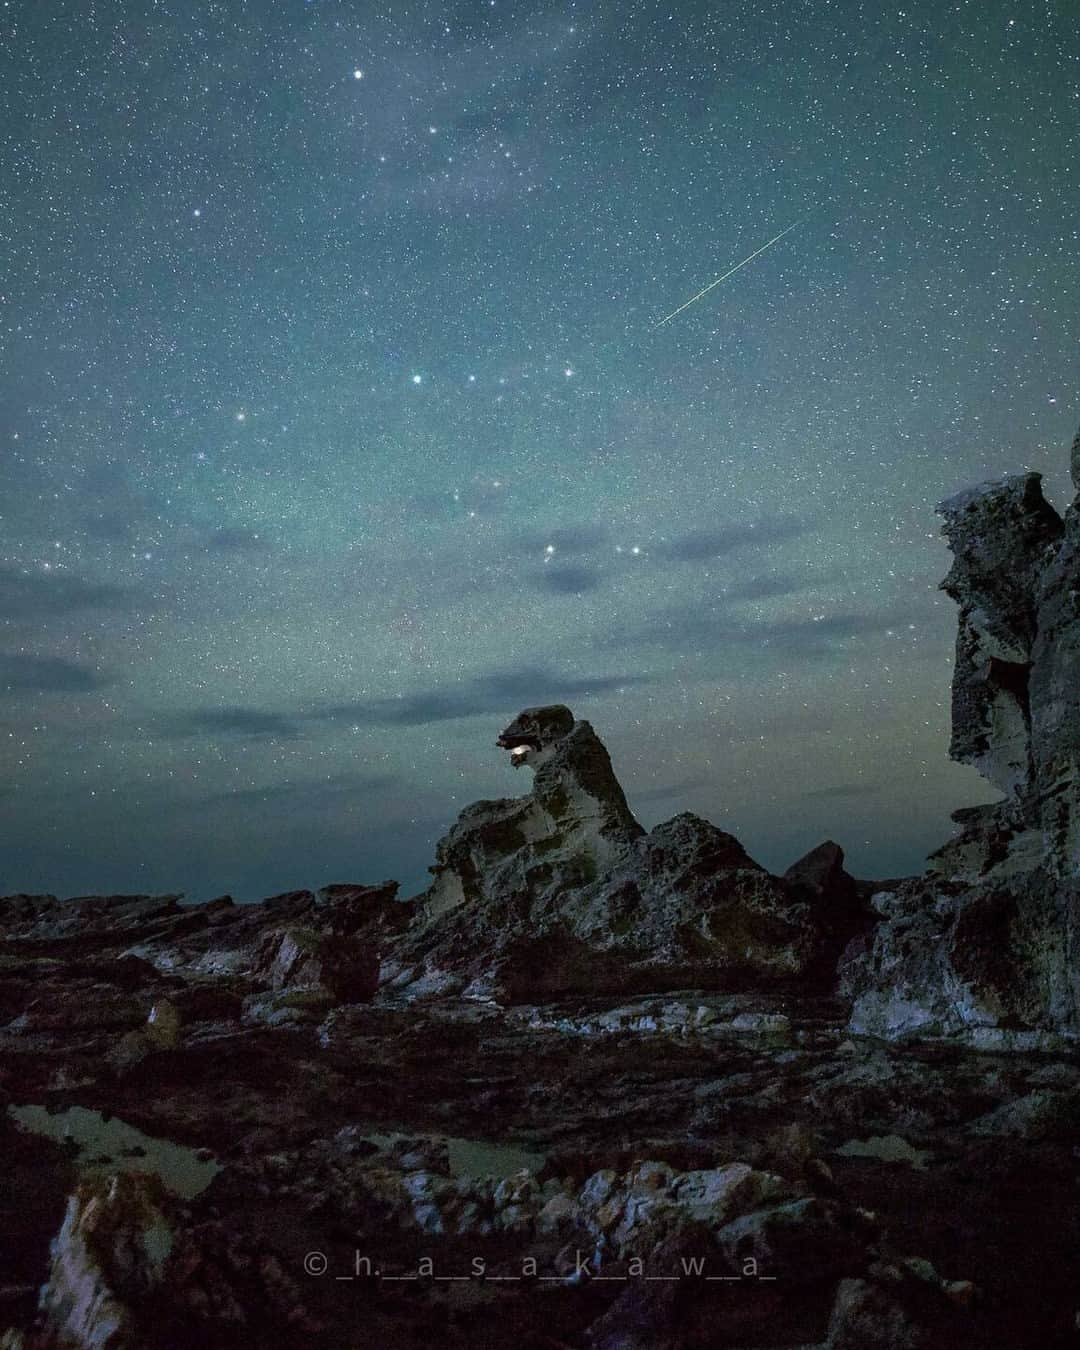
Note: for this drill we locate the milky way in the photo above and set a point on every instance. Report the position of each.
(335, 427)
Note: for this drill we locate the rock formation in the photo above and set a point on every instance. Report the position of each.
(562, 891)
(987, 944)
(574, 822)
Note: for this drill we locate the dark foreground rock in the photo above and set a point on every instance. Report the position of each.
(685, 1170)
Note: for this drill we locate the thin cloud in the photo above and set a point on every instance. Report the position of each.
(236, 540)
(46, 675)
(498, 691)
(844, 791)
(566, 580)
(703, 545)
(682, 788)
(564, 540)
(36, 595)
(231, 721)
(768, 587)
(306, 793)
(687, 628)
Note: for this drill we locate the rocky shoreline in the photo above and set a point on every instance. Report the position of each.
(596, 1086)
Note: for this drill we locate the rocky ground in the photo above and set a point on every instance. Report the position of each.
(826, 1188)
(594, 1087)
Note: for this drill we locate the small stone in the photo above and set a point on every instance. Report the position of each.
(558, 1215)
(962, 1292)
(163, 1025)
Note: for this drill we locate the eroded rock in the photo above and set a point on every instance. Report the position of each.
(987, 943)
(562, 891)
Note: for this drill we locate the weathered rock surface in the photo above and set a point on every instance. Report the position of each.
(715, 1131)
(562, 891)
(987, 944)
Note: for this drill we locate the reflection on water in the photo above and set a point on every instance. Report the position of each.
(475, 1157)
(106, 1146)
(111, 1145)
(885, 1148)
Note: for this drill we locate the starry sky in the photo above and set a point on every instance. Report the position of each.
(336, 423)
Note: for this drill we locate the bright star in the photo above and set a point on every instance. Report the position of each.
(417, 379)
(358, 74)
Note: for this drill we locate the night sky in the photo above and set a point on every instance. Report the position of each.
(336, 425)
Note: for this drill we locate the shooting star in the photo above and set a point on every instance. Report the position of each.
(730, 272)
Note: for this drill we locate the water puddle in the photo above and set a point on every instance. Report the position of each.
(106, 1146)
(474, 1157)
(885, 1148)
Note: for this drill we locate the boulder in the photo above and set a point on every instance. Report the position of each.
(835, 899)
(347, 968)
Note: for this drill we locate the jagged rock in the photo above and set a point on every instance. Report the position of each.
(18, 910)
(562, 890)
(989, 940)
(161, 1032)
(131, 1270)
(866, 1315)
(1043, 1114)
(346, 909)
(346, 967)
(820, 873)
(801, 1241)
(574, 822)
(110, 1253)
(1002, 536)
(86, 921)
(835, 899)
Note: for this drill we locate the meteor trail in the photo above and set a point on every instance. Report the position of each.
(727, 274)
